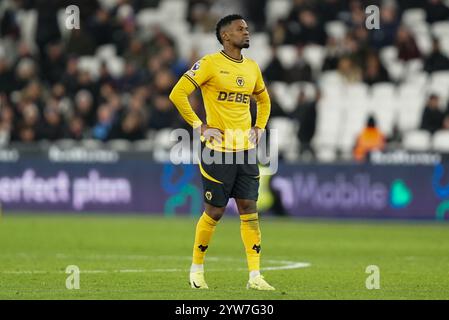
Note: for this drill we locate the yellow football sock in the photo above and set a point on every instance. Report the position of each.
(249, 229)
(204, 230)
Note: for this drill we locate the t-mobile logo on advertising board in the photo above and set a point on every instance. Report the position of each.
(340, 192)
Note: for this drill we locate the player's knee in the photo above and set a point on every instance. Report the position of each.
(214, 212)
(247, 206)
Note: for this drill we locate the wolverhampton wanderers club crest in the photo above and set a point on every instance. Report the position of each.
(240, 81)
(208, 195)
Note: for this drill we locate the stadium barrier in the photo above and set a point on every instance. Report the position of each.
(104, 181)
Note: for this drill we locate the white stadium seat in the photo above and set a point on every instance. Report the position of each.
(411, 17)
(116, 66)
(106, 51)
(418, 140)
(336, 29)
(440, 29)
(440, 141)
(315, 55)
(276, 9)
(287, 55)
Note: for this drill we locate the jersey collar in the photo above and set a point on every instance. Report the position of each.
(231, 58)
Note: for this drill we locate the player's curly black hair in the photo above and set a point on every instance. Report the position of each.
(224, 22)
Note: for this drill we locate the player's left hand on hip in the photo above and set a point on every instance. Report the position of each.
(255, 134)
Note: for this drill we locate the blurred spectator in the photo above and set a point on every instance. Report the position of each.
(198, 15)
(436, 60)
(432, 117)
(28, 125)
(310, 29)
(24, 73)
(80, 43)
(349, 70)
(162, 113)
(131, 78)
(278, 33)
(406, 44)
(6, 77)
(329, 10)
(54, 63)
(101, 27)
(306, 114)
(274, 71)
(446, 118)
(47, 23)
(389, 22)
(102, 128)
(70, 76)
(6, 124)
(374, 71)
(84, 107)
(370, 139)
(135, 53)
(334, 51)
(255, 10)
(76, 129)
(301, 70)
(436, 10)
(52, 127)
(130, 128)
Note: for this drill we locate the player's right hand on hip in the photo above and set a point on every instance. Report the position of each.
(211, 134)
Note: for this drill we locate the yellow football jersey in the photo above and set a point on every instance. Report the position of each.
(226, 85)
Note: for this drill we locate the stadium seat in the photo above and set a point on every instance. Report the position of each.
(330, 79)
(417, 140)
(336, 29)
(444, 43)
(108, 4)
(396, 70)
(206, 43)
(277, 9)
(308, 87)
(90, 64)
(92, 144)
(281, 91)
(287, 55)
(354, 120)
(388, 55)
(162, 139)
(413, 16)
(61, 18)
(116, 66)
(146, 18)
(286, 132)
(259, 50)
(383, 90)
(119, 145)
(329, 124)
(143, 145)
(326, 155)
(440, 141)
(419, 79)
(357, 91)
(174, 10)
(315, 55)
(66, 143)
(424, 42)
(106, 51)
(27, 21)
(440, 29)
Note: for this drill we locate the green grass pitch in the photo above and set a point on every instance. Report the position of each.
(136, 257)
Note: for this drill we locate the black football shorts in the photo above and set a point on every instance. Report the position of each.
(224, 179)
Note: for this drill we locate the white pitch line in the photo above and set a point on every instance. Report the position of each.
(286, 265)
